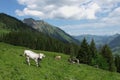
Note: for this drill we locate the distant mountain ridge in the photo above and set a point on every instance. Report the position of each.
(99, 40)
(50, 30)
(113, 40)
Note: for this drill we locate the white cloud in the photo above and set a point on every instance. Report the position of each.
(65, 9)
(93, 8)
(20, 13)
(27, 11)
(113, 18)
(107, 5)
(115, 12)
(98, 28)
(107, 23)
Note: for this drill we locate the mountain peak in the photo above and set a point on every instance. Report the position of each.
(117, 34)
(49, 29)
(29, 21)
(32, 22)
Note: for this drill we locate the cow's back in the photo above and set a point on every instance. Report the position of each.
(30, 54)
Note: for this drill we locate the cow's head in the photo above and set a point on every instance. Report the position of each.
(41, 55)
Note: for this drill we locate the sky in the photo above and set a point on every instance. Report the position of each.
(76, 17)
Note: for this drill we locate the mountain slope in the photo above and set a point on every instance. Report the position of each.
(14, 67)
(9, 23)
(14, 31)
(50, 30)
(115, 42)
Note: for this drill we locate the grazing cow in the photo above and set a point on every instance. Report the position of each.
(73, 60)
(37, 57)
(57, 57)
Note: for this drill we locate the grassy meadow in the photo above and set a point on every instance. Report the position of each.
(13, 67)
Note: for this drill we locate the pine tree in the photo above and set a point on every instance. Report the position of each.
(93, 52)
(107, 54)
(84, 53)
(93, 49)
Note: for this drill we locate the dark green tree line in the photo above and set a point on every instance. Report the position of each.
(35, 41)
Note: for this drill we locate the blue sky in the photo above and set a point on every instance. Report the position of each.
(76, 17)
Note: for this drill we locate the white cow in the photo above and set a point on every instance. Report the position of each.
(30, 54)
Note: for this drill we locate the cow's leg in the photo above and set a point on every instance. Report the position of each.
(37, 62)
(28, 61)
(78, 61)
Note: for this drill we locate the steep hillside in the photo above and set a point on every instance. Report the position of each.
(50, 30)
(9, 23)
(14, 67)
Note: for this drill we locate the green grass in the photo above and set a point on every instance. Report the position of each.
(4, 31)
(14, 67)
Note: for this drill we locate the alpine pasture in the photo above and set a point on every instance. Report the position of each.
(13, 67)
